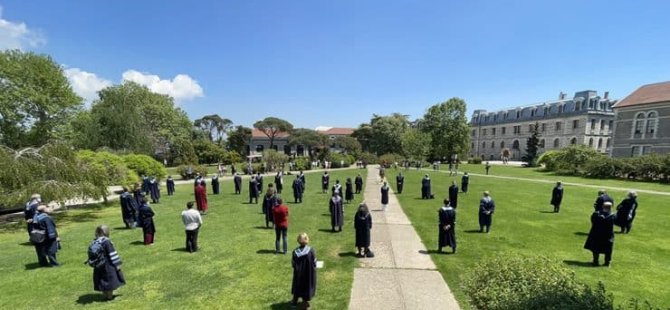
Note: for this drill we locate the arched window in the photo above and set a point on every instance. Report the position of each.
(483, 145)
(600, 143)
(573, 141)
(502, 144)
(515, 145)
(652, 121)
(590, 142)
(493, 144)
(638, 125)
(557, 143)
(542, 143)
(607, 144)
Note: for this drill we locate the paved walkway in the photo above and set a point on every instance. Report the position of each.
(401, 275)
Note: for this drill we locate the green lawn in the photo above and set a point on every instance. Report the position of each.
(235, 268)
(523, 223)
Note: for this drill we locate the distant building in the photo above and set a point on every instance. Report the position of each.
(333, 133)
(260, 142)
(642, 123)
(586, 119)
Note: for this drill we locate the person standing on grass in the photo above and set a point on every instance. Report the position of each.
(557, 197)
(253, 190)
(215, 185)
(128, 208)
(170, 185)
(280, 216)
(237, 180)
(453, 195)
(154, 190)
(147, 221)
(146, 187)
(201, 198)
(600, 201)
(301, 175)
(304, 272)
(298, 189)
(601, 236)
(486, 208)
(325, 182)
(447, 227)
(349, 191)
(625, 212)
(336, 212)
(44, 236)
(385, 196)
(359, 184)
(337, 188)
(269, 202)
(399, 182)
(138, 194)
(425, 187)
(31, 209)
(363, 225)
(487, 167)
(279, 181)
(192, 222)
(259, 183)
(465, 181)
(106, 263)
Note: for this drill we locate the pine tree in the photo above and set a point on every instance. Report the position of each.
(532, 144)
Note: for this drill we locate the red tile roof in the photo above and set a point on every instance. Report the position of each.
(338, 131)
(255, 133)
(651, 93)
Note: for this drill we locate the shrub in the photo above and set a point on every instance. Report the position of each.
(475, 160)
(387, 160)
(195, 169)
(303, 163)
(145, 165)
(513, 282)
(368, 158)
(106, 169)
(231, 157)
(337, 158)
(274, 159)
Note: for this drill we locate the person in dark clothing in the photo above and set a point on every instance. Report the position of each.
(325, 182)
(253, 190)
(304, 272)
(487, 167)
(259, 182)
(279, 182)
(602, 198)
(625, 212)
(399, 182)
(280, 216)
(601, 236)
(108, 276)
(349, 191)
(337, 188)
(425, 187)
(147, 221)
(154, 190)
(170, 185)
(269, 202)
(237, 180)
(359, 184)
(138, 194)
(385, 196)
(557, 197)
(363, 225)
(45, 237)
(215, 185)
(146, 188)
(486, 208)
(201, 198)
(298, 189)
(336, 212)
(465, 181)
(453, 195)
(447, 227)
(31, 209)
(128, 208)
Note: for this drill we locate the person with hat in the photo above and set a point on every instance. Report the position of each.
(601, 236)
(625, 212)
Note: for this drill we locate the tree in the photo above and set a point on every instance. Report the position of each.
(448, 128)
(311, 139)
(182, 152)
(238, 139)
(36, 99)
(214, 126)
(106, 169)
(386, 133)
(208, 152)
(274, 159)
(415, 144)
(272, 126)
(364, 135)
(349, 144)
(532, 144)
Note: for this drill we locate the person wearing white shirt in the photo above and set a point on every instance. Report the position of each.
(192, 220)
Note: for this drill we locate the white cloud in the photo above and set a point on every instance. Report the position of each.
(182, 87)
(16, 35)
(86, 84)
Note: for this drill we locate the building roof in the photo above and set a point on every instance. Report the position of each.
(255, 133)
(336, 131)
(650, 93)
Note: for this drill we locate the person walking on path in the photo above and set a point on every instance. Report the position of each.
(106, 263)
(625, 212)
(486, 208)
(304, 272)
(280, 216)
(601, 236)
(336, 212)
(465, 182)
(447, 227)
(399, 182)
(192, 222)
(385, 196)
(147, 221)
(557, 197)
(363, 225)
(359, 184)
(44, 236)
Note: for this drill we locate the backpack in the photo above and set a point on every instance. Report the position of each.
(96, 254)
(38, 236)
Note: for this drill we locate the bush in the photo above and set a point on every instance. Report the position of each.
(106, 169)
(475, 160)
(302, 163)
(337, 158)
(145, 165)
(513, 282)
(195, 169)
(231, 157)
(368, 158)
(387, 160)
(274, 159)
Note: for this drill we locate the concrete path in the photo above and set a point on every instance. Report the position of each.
(401, 275)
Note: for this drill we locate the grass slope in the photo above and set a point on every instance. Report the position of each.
(236, 267)
(523, 223)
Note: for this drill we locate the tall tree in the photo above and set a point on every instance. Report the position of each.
(386, 133)
(532, 144)
(214, 126)
(415, 144)
(364, 136)
(238, 139)
(272, 126)
(311, 139)
(36, 99)
(349, 144)
(448, 128)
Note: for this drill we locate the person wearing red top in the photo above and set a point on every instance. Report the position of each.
(280, 216)
(201, 197)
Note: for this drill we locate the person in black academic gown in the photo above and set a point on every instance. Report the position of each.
(557, 197)
(301, 175)
(625, 212)
(359, 184)
(425, 187)
(107, 277)
(337, 188)
(601, 236)
(146, 217)
(385, 195)
(336, 212)
(298, 189)
(363, 224)
(155, 190)
(128, 208)
(269, 202)
(453, 195)
(279, 181)
(237, 180)
(325, 182)
(399, 182)
(486, 208)
(602, 198)
(465, 181)
(170, 185)
(447, 227)
(349, 191)
(146, 188)
(253, 190)
(259, 182)
(138, 194)
(47, 249)
(304, 272)
(215, 185)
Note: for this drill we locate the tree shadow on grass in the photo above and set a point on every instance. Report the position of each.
(577, 263)
(33, 266)
(88, 299)
(265, 251)
(580, 233)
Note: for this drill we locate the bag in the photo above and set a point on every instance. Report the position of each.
(96, 254)
(38, 236)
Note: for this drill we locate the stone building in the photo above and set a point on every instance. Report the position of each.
(333, 133)
(642, 122)
(585, 119)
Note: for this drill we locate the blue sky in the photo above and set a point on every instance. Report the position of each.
(335, 63)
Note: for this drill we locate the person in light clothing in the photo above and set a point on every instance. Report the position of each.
(192, 221)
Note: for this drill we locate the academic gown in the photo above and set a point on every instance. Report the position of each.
(425, 188)
(304, 273)
(465, 181)
(201, 198)
(253, 189)
(304, 183)
(359, 184)
(385, 195)
(625, 212)
(259, 183)
(600, 201)
(145, 186)
(362, 224)
(269, 202)
(336, 212)
(453, 196)
(215, 185)
(399, 182)
(128, 209)
(155, 191)
(147, 219)
(349, 191)
(556, 196)
(298, 189)
(279, 184)
(107, 277)
(170, 186)
(601, 236)
(337, 188)
(238, 184)
(50, 245)
(138, 194)
(447, 216)
(486, 204)
(325, 182)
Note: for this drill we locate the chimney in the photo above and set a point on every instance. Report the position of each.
(607, 94)
(561, 96)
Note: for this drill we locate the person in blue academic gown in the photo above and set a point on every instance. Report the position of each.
(601, 200)
(298, 189)
(337, 188)
(425, 187)
(146, 188)
(253, 190)
(47, 249)
(336, 212)
(557, 197)
(237, 180)
(269, 202)
(447, 227)
(325, 182)
(259, 182)
(601, 236)
(128, 208)
(486, 208)
(453, 195)
(304, 272)
(108, 277)
(170, 185)
(155, 190)
(146, 216)
(215, 185)
(625, 212)
(465, 182)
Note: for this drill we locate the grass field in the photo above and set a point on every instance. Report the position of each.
(523, 222)
(236, 267)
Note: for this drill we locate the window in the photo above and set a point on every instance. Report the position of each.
(602, 124)
(517, 129)
(573, 141)
(557, 143)
(472, 145)
(502, 144)
(560, 109)
(575, 124)
(483, 145)
(634, 151)
(515, 145)
(518, 114)
(287, 149)
(484, 132)
(544, 127)
(593, 124)
(600, 143)
(474, 132)
(503, 129)
(259, 148)
(611, 125)
(590, 142)
(638, 125)
(651, 125)
(542, 143)
(646, 149)
(558, 125)
(493, 131)
(493, 144)
(607, 144)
